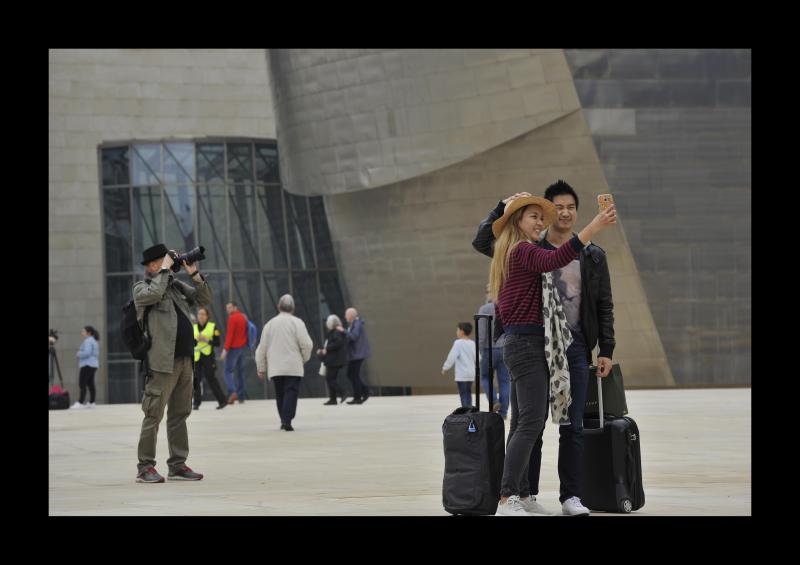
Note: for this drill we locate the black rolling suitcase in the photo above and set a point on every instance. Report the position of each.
(612, 462)
(474, 450)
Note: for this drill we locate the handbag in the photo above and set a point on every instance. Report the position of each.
(614, 403)
(323, 370)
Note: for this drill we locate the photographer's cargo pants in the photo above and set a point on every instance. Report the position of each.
(162, 390)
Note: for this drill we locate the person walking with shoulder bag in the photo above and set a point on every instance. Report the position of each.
(334, 356)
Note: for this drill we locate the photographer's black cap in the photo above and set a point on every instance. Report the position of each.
(153, 253)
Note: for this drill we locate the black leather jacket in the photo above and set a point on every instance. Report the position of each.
(597, 306)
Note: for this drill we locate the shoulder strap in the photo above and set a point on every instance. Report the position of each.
(145, 325)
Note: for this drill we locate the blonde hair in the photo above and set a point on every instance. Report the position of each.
(511, 236)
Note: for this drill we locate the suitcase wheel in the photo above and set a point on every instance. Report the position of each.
(625, 505)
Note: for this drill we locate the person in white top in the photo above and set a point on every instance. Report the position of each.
(284, 348)
(462, 355)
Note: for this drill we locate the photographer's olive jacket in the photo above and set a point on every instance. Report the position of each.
(161, 292)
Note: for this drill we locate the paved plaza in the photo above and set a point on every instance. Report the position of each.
(381, 458)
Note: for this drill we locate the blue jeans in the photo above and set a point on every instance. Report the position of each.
(465, 392)
(570, 442)
(235, 358)
(503, 378)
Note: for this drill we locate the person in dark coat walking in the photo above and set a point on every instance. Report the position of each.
(335, 356)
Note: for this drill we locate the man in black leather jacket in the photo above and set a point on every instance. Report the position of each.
(585, 291)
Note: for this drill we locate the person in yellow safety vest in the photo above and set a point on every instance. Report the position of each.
(206, 336)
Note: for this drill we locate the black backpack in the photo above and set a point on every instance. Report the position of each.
(135, 337)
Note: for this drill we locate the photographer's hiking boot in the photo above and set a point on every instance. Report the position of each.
(184, 474)
(149, 475)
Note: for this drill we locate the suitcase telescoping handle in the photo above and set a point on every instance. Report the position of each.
(600, 399)
(488, 319)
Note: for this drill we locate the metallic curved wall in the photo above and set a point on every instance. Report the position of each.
(438, 137)
(356, 119)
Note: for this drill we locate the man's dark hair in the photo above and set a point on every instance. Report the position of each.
(465, 327)
(560, 187)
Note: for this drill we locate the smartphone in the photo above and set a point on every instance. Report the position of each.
(604, 201)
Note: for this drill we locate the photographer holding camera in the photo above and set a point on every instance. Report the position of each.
(170, 358)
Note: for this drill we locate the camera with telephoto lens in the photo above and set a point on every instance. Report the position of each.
(190, 257)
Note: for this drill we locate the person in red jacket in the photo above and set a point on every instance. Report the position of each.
(234, 351)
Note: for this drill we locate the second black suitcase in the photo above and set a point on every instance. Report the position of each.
(474, 451)
(612, 463)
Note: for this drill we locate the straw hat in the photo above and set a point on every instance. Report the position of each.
(548, 208)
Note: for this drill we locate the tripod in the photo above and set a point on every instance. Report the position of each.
(54, 360)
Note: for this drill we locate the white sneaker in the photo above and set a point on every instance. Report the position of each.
(77, 405)
(512, 507)
(530, 506)
(573, 507)
(91, 405)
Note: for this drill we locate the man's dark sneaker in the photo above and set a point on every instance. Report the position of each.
(241, 401)
(221, 406)
(149, 475)
(184, 474)
(343, 399)
(196, 408)
(288, 428)
(330, 403)
(356, 401)
(364, 398)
